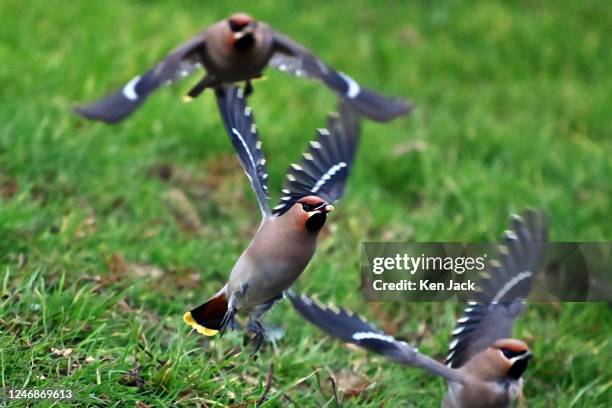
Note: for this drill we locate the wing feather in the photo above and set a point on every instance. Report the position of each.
(354, 329)
(181, 62)
(295, 59)
(325, 167)
(240, 126)
(502, 290)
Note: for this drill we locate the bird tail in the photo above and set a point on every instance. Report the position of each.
(207, 317)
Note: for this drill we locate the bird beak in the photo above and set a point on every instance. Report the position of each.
(323, 208)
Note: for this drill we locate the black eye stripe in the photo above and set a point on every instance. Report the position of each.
(311, 207)
(235, 26)
(511, 354)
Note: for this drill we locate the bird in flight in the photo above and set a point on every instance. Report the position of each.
(237, 49)
(484, 367)
(286, 239)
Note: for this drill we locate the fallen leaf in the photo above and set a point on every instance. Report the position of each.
(183, 211)
(85, 228)
(8, 187)
(144, 270)
(410, 146)
(119, 268)
(350, 383)
(62, 352)
(196, 185)
(411, 35)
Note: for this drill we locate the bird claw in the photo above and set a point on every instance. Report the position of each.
(228, 320)
(260, 334)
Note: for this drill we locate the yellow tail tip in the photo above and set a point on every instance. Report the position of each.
(188, 318)
(187, 98)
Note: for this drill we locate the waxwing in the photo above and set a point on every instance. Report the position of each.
(239, 49)
(286, 239)
(484, 366)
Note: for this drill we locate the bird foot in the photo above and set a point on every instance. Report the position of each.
(248, 88)
(228, 320)
(198, 88)
(259, 335)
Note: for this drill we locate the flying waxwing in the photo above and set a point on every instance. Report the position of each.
(233, 50)
(286, 239)
(484, 366)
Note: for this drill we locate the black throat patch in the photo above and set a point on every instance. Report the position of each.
(245, 42)
(316, 221)
(517, 369)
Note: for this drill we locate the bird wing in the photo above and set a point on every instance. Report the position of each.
(181, 62)
(295, 59)
(240, 126)
(324, 169)
(499, 302)
(353, 329)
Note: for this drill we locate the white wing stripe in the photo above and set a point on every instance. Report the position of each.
(129, 90)
(333, 170)
(353, 87)
(246, 148)
(252, 160)
(373, 336)
(510, 284)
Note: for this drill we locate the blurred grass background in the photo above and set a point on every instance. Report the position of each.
(100, 244)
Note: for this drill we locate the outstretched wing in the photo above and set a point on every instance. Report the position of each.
(324, 169)
(240, 126)
(499, 302)
(353, 329)
(180, 63)
(295, 59)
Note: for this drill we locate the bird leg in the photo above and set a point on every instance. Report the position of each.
(228, 320)
(202, 84)
(248, 88)
(254, 325)
(220, 92)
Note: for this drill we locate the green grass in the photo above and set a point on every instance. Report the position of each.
(513, 111)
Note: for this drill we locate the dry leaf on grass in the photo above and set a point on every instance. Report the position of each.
(197, 185)
(410, 146)
(183, 211)
(62, 352)
(350, 383)
(8, 187)
(143, 270)
(86, 228)
(119, 268)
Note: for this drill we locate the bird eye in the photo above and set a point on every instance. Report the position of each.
(307, 207)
